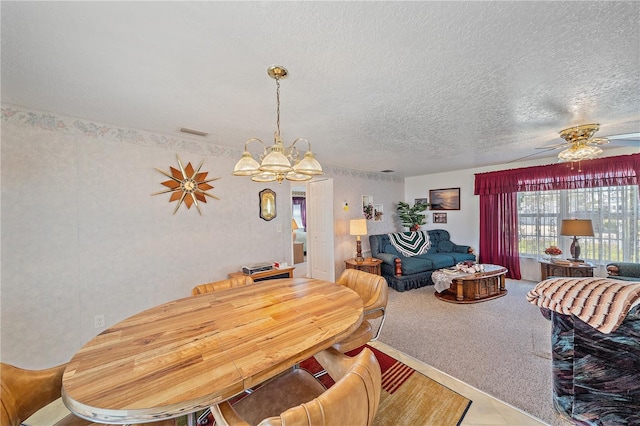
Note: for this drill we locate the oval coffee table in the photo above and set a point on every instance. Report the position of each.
(473, 288)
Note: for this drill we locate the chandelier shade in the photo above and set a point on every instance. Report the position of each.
(309, 165)
(277, 162)
(246, 166)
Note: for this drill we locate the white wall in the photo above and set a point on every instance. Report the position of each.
(350, 186)
(82, 235)
(464, 224)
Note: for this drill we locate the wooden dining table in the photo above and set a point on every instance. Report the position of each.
(188, 354)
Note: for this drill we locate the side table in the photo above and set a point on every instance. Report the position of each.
(267, 275)
(370, 265)
(550, 269)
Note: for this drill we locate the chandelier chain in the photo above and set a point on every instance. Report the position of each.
(278, 105)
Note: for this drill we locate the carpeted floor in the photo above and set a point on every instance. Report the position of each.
(500, 346)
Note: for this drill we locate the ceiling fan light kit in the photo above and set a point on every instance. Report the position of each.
(583, 146)
(278, 162)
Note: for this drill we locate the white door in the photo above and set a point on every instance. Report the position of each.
(320, 250)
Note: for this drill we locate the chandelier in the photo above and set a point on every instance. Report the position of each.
(278, 162)
(583, 146)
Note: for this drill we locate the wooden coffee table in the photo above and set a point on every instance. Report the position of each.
(478, 287)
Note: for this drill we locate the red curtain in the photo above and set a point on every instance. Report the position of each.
(608, 171)
(499, 232)
(498, 198)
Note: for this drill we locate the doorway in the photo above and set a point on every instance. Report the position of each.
(316, 218)
(299, 228)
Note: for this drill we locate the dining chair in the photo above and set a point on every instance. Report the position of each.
(222, 285)
(296, 398)
(374, 291)
(24, 392)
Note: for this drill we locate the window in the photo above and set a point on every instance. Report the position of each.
(297, 216)
(613, 211)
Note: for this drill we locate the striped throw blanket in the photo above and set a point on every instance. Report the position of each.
(600, 302)
(410, 243)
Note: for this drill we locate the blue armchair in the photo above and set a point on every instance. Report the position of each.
(627, 271)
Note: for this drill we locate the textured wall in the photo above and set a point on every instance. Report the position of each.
(82, 235)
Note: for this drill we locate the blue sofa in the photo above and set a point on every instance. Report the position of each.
(405, 273)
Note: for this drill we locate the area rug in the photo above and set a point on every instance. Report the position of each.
(407, 398)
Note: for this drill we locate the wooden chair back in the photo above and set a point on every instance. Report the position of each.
(222, 285)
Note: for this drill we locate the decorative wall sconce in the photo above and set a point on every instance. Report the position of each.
(267, 204)
(187, 185)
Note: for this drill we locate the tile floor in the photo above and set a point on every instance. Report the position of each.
(484, 411)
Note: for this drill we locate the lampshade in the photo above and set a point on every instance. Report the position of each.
(276, 161)
(577, 227)
(246, 166)
(580, 153)
(264, 177)
(358, 227)
(294, 224)
(309, 165)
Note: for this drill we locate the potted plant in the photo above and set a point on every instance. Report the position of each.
(411, 217)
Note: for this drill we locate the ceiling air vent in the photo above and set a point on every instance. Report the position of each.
(193, 132)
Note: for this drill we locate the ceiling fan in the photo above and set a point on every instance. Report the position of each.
(580, 143)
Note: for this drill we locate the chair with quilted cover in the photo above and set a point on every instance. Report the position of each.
(222, 285)
(296, 398)
(24, 392)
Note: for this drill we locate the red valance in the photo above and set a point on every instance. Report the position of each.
(609, 171)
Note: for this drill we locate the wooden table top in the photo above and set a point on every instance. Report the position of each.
(191, 353)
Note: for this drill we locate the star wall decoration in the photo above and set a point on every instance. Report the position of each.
(187, 185)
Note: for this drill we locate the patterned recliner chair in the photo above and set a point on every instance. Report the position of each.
(596, 375)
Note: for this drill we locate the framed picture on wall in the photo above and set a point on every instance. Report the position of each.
(420, 201)
(439, 218)
(378, 213)
(445, 199)
(367, 206)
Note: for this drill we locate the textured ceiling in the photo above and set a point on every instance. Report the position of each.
(416, 87)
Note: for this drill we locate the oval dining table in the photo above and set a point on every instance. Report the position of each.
(188, 354)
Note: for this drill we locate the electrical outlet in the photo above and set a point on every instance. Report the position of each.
(98, 321)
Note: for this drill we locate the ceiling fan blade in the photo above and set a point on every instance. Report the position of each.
(556, 146)
(626, 142)
(626, 136)
(531, 155)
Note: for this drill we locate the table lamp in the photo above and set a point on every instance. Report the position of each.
(294, 226)
(358, 227)
(576, 228)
